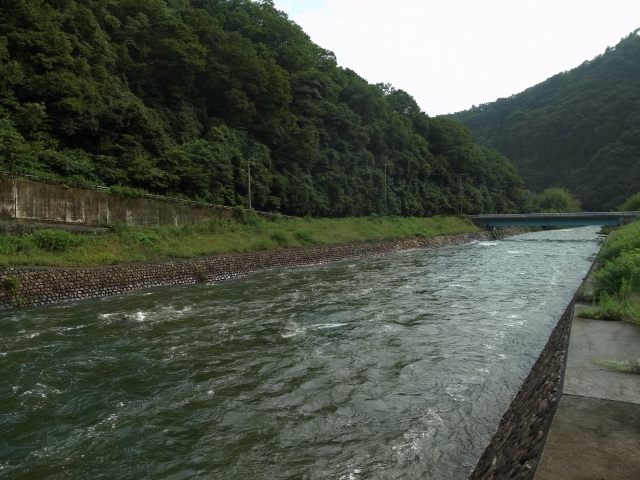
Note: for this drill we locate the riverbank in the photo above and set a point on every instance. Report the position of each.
(617, 291)
(128, 243)
(25, 286)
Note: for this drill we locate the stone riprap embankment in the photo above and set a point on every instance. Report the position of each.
(24, 286)
(516, 447)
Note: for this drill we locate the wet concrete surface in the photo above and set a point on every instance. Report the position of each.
(601, 340)
(592, 439)
(595, 434)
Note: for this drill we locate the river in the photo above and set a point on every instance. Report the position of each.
(394, 367)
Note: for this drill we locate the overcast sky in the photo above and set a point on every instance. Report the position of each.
(452, 54)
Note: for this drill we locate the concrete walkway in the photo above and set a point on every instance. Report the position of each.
(595, 434)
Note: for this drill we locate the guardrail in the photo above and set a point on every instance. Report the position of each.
(557, 215)
(554, 219)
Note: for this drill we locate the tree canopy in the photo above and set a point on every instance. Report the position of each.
(190, 97)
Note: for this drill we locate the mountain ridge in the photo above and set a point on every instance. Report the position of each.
(579, 129)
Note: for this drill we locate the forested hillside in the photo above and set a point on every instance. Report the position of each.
(579, 129)
(183, 97)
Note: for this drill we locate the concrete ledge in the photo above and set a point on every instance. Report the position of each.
(595, 433)
(592, 439)
(593, 340)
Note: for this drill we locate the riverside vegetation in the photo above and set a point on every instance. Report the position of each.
(617, 291)
(133, 243)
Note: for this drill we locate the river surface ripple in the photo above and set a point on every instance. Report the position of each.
(383, 368)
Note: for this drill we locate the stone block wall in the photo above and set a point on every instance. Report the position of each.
(515, 448)
(43, 285)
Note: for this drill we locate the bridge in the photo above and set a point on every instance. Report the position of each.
(554, 219)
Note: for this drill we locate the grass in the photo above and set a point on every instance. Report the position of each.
(617, 291)
(626, 238)
(615, 307)
(131, 244)
(624, 366)
(584, 293)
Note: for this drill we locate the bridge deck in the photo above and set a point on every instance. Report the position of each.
(555, 219)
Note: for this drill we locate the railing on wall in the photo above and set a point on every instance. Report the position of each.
(101, 188)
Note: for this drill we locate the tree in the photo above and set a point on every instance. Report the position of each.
(631, 204)
(558, 200)
(182, 97)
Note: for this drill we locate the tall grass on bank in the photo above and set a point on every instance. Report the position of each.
(618, 280)
(626, 238)
(131, 244)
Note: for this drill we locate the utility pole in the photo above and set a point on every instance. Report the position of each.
(385, 187)
(384, 194)
(502, 196)
(249, 170)
(461, 175)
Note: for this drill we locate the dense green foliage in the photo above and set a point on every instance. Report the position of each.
(253, 233)
(618, 280)
(579, 129)
(557, 200)
(624, 239)
(631, 204)
(199, 97)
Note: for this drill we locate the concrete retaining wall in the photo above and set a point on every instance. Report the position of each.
(55, 203)
(42, 285)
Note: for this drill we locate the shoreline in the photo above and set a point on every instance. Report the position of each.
(517, 445)
(39, 286)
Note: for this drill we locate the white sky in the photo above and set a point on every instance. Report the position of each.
(452, 54)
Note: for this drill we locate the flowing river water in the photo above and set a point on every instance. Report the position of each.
(394, 367)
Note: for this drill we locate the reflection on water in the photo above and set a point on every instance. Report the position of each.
(394, 367)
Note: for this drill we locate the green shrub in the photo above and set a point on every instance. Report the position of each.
(558, 200)
(615, 307)
(147, 239)
(631, 204)
(623, 239)
(127, 192)
(54, 241)
(14, 244)
(279, 237)
(200, 273)
(305, 237)
(620, 273)
(251, 218)
(239, 211)
(12, 285)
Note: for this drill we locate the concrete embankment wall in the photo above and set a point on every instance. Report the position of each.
(44, 285)
(55, 203)
(516, 447)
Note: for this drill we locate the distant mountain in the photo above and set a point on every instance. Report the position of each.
(579, 129)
